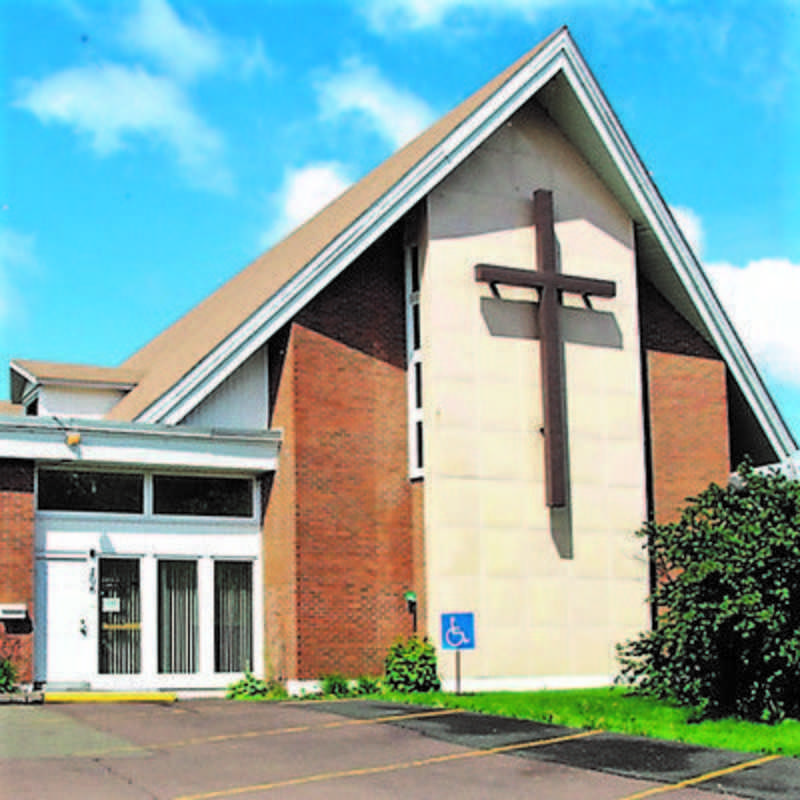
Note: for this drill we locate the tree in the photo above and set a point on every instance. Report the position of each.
(727, 639)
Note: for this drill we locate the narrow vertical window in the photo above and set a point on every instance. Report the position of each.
(233, 616)
(177, 616)
(414, 351)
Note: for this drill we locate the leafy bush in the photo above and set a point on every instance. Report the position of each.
(368, 685)
(336, 685)
(410, 666)
(251, 686)
(727, 640)
(8, 676)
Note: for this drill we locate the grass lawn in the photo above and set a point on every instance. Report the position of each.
(613, 709)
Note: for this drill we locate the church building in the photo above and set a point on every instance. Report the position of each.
(459, 388)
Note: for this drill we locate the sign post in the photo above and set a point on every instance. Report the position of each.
(458, 633)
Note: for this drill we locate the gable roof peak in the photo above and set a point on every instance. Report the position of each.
(186, 362)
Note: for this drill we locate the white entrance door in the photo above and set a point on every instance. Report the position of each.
(67, 630)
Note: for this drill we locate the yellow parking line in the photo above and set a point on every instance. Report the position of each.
(349, 773)
(701, 778)
(110, 697)
(222, 737)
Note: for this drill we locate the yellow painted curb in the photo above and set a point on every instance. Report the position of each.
(110, 697)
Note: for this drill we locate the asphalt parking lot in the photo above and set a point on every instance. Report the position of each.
(205, 749)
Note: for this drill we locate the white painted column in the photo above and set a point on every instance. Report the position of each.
(205, 600)
(257, 667)
(148, 577)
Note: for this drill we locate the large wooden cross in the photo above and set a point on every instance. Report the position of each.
(550, 285)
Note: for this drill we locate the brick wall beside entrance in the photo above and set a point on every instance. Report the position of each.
(16, 560)
(342, 530)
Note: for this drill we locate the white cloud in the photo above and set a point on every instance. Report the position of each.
(692, 227)
(304, 192)
(761, 300)
(183, 51)
(112, 104)
(395, 114)
(16, 255)
(385, 15)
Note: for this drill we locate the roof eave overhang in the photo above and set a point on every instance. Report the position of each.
(560, 54)
(22, 383)
(25, 382)
(89, 442)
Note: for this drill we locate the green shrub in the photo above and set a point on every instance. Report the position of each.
(251, 686)
(368, 685)
(410, 666)
(8, 676)
(727, 640)
(336, 685)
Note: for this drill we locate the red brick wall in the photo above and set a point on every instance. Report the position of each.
(689, 428)
(16, 559)
(280, 524)
(355, 536)
(687, 406)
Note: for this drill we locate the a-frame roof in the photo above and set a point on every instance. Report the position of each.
(188, 360)
(170, 356)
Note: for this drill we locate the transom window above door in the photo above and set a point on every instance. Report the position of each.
(147, 494)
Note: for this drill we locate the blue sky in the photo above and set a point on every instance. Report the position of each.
(151, 149)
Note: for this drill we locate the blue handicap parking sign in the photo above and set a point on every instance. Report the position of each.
(458, 631)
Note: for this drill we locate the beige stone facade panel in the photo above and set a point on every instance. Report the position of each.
(504, 607)
(590, 507)
(458, 505)
(600, 369)
(462, 555)
(450, 403)
(591, 651)
(503, 504)
(548, 651)
(546, 585)
(587, 457)
(505, 455)
(457, 453)
(507, 554)
(588, 603)
(627, 510)
(547, 601)
(629, 610)
(592, 555)
(628, 558)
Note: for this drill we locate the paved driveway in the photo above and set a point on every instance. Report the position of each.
(217, 749)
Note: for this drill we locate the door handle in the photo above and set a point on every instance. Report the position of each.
(84, 627)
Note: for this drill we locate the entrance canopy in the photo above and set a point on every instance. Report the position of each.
(81, 441)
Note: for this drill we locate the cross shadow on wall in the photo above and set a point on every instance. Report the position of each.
(519, 319)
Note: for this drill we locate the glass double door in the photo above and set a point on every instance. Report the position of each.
(178, 616)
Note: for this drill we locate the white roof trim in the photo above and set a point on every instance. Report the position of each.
(560, 54)
(44, 439)
(22, 372)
